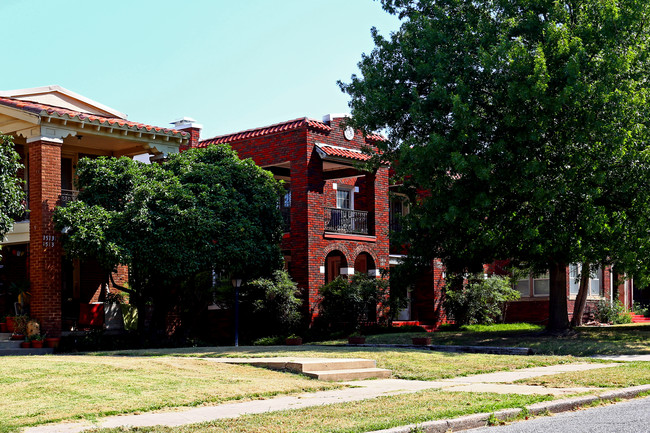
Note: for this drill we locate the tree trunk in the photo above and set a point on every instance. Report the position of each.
(558, 317)
(581, 299)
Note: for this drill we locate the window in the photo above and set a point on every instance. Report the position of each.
(398, 208)
(541, 285)
(574, 277)
(343, 199)
(594, 282)
(523, 286)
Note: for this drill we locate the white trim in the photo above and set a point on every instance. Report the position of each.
(322, 269)
(347, 271)
(45, 139)
(373, 272)
(24, 94)
(396, 259)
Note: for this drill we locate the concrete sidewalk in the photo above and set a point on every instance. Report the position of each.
(500, 382)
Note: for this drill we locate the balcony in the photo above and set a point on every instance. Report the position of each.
(67, 196)
(346, 221)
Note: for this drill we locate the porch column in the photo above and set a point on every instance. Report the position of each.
(44, 244)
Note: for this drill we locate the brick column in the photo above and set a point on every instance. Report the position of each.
(44, 243)
(378, 204)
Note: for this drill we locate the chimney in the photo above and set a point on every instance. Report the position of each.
(187, 124)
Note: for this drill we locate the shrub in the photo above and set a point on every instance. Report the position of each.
(269, 341)
(275, 303)
(638, 308)
(345, 304)
(480, 300)
(614, 313)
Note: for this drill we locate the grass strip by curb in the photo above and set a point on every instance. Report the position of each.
(484, 419)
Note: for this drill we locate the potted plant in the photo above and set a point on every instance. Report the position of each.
(11, 323)
(356, 338)
(37, 341)
(293, 340)
(26, 343)
(20, 327)
(421, 341)
(52, 342)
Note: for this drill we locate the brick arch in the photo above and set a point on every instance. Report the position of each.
(336, 247)
(364, 249)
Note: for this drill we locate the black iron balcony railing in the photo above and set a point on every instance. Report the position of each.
(286, 219)
(346, 221)
(68, 195)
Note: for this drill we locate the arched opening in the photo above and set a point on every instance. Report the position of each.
(333, 264)
(364, 263)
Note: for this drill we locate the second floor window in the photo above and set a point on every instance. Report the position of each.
(343, 199)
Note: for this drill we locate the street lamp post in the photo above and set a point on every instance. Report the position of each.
(236, 282)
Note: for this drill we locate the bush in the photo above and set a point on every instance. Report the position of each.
(479, 301)
(345, 304)
(614, 313)
(641, 309)
(269, 341)
(275, 303)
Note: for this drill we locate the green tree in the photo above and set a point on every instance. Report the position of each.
(204, 210)
(11, 192)
(525, 121)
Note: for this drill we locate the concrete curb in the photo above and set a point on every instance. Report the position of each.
(480, 419)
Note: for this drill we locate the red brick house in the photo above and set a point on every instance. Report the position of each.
(52, 128)
(338, 219)
(336, 215)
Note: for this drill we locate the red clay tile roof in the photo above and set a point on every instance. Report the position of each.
(50, 110)
(375, 137)
(265, 130)
(341, 152)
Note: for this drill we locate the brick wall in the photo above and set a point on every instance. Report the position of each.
(311, 194)
(45, 245)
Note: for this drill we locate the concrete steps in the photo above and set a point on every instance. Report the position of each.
(9, 347)
(330, 369)
(349, 374)
(637, 318)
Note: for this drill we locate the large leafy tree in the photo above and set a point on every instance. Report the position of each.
(525, 124)
(11, 192)
(204, 210)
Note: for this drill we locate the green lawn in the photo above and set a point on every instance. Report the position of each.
(628, 374)
(361, 416)
(411, 364)
(585, 341)
(41, 389)
(38, 390)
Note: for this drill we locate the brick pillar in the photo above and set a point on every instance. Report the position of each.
(44, 242)
(315, 218)
(379, 206)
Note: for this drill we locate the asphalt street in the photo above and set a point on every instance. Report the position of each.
(631, 416)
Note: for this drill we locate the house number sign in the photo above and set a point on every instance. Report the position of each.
(48, 241)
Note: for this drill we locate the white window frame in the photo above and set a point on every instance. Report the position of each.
(574, 286)
(341, 187)
(547, 279)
